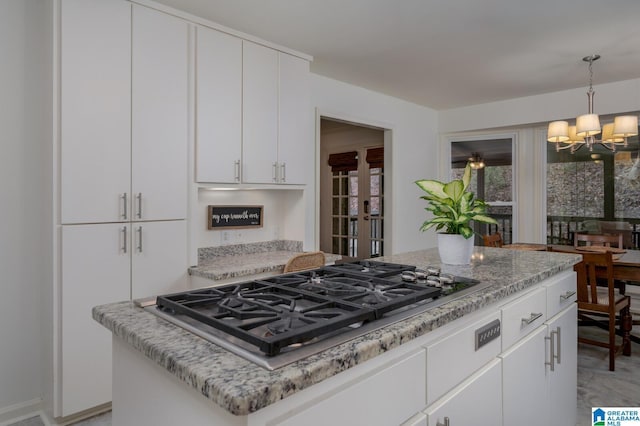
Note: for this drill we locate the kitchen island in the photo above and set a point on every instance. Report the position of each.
(418, 371)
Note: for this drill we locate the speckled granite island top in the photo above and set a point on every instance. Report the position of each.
(242, 387)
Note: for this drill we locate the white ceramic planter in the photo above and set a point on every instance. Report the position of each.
(455, 249)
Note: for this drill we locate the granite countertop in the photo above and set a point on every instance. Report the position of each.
(242, 387)
(243, 260)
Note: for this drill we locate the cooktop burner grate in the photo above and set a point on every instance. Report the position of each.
(300, 308)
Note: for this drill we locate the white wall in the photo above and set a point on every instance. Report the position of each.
(283, 216)
(25, 200)
(611, 98)
(413, 152)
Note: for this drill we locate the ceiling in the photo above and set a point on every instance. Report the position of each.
(446, 53)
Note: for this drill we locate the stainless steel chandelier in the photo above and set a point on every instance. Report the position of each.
(588, 126)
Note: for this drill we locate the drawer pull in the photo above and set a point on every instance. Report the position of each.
(567, 295)
(531, 318)
(446, 422)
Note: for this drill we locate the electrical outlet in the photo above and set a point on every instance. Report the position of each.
(225, 237)
(487, 333)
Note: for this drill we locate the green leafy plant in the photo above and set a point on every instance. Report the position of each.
(452, 206)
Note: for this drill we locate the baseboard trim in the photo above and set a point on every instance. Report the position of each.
(20, 411)
(83, 415)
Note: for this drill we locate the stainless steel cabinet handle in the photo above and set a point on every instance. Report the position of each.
(567, 295)
(236, 165)
(124, 239)
(552, 351)
(139, 198)
(124, 206)
(139, 239)
(275, 172)
(446, 422)
(531, 318)
(283, 172)
(559, 345)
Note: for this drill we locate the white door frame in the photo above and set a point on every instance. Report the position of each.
(445, 163)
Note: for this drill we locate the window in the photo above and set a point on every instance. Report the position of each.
(589, 188)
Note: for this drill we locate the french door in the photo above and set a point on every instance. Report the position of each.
(357, 203)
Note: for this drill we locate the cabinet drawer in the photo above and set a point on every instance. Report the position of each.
(522, 316)
(454, 358)
(384, 398)
(561, 292)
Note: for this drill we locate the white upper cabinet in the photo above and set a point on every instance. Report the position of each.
(159, 115)
(253, 115)
(259, 114)
(95, 87)
(124, 103)
(295, 139)
(218, 106)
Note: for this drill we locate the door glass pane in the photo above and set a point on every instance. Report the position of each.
(492, 183)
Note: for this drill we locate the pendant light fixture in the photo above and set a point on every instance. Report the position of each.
(475, 161)
(588, 126)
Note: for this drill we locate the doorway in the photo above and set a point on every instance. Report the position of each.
(492, 180)
(351, 189)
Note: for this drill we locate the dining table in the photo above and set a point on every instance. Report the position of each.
(626, 267)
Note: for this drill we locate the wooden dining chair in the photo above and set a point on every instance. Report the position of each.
(305, 261)
(602, 306)
(492, 240)
(608, 240)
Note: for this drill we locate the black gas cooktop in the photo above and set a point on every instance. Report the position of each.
(296, 309)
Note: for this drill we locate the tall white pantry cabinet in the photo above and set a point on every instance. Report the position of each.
(123, 180)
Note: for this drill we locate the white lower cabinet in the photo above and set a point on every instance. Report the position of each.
(540, 371)
(475, 402)
(382, 398)
(524, 382)
(95, 270)
(108, 263)
(453, 358)
(563, 380)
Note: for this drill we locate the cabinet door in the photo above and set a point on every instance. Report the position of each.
(159, 115)
(95, 271)
(95, 110)
(295, 139)
(563, 380)
(218, 106)
(259, 113)
(524, 381)
(159, 258)
(475, 402)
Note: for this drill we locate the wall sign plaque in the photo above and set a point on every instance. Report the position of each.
(228, 217)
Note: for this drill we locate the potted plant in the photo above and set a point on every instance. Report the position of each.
(453, 208)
